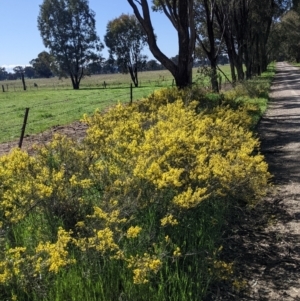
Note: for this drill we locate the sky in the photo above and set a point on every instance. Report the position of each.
(20, 39)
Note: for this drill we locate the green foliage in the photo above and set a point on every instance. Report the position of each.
(125, 39)
(68, 29)
(252, 94)
(42, 65)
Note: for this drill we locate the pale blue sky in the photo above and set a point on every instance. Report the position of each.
(20, 40)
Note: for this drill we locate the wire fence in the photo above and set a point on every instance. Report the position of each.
(46, 114)
(56, 84)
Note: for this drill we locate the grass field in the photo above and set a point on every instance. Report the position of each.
(54, 102)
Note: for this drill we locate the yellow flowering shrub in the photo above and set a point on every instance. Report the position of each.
(12, 263)
(102, 241)
(202, 156)
(169, 220)
(131, 191)
(133, 232)
(54, 256)
(22, 185)
(142, 266)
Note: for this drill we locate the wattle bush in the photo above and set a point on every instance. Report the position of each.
(139, 203)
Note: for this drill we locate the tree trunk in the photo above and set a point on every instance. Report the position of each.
(232, 68)
(133, 75)
(23, 81)
(183, 77)
(240, 71)
(75, 82)
(182, 19)
(224, 30)
(238, 62)
(248, 55)
(214, 76)
(76, 86)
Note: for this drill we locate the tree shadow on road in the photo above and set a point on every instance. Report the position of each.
(266, 261)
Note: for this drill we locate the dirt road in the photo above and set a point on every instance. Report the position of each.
(280, 134)
(265, 243)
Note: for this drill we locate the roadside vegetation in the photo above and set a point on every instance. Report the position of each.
(136, 211)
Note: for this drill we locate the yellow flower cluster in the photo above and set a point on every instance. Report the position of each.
(223, 269)
(12, 263)
(177, 252)
(143, 266)
(133, 232)
(22, 185)
(102, 241)
(56, 254)
(113, 217)
(169, 220)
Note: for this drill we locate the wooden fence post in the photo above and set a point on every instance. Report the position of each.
(23, 127)
(23, 81)
(131, 93)
(3, 90)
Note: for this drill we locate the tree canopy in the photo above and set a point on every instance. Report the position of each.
(285, 41)
(126, 39)
(67, 28)
(42, 64)
(240, 28)
(3, 73)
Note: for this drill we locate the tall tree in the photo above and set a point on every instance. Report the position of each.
(3, 73)
(126, 39)
(19, 70)
(181, 15)
(206, 37)
(68, 29)
(42, 64)
(153, 65)
(246, 27)
(29, 72)
(290, 35)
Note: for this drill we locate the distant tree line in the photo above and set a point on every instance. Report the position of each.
(40, 68)
(284, 43)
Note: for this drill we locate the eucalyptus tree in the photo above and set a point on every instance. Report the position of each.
(68, 30)
(181, 15)
(284, 40)
(246, 27)
(29, 72)
(3, 73)
(263, 16)
(42, 64)
(206, 35)
(126, 39)
(290, 35)
(19, 71)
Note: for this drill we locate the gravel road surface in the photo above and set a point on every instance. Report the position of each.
(265, 242)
